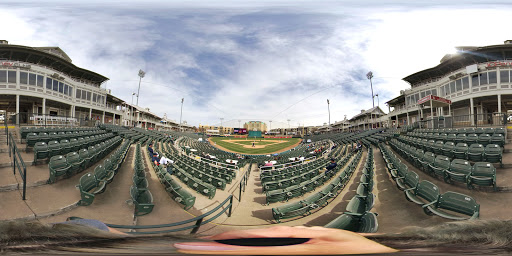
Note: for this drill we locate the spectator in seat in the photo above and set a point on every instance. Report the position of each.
(150, 149)
(155, 159)
(329, 167)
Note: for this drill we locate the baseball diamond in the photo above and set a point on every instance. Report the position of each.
(262, 146)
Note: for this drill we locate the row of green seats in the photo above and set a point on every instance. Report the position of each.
(74, 162)
(357, 217)
(43, 150)
(427, 194)
(303, 187)
(179, 194)
(141, 197)
(320, 199)
(460, 170)
(93, 183)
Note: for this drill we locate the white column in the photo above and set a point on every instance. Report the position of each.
(90, 113)
(472, 115)
(499, 103)
(408, 120)
(114, 119)
(103, 118)
(44, 106)
(17, 109)
(432, 114)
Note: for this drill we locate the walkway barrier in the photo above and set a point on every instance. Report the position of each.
(17, 162)
(243, 183)
(226, 205)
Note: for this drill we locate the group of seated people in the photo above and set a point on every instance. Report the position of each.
(156, 159)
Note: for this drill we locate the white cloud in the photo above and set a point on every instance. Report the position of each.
(254, 60)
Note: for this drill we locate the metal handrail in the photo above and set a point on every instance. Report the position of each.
(6, 129)
(199, 220)
(17, 163)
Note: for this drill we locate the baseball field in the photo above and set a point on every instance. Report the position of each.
(257, 146)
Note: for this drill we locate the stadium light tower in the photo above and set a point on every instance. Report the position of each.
(181, 114)
(378, 101)
(329, 110)
(131, 113)
(141, 75)
(369, 75)
(270, 129)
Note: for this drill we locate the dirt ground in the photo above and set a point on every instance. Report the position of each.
(250, 146)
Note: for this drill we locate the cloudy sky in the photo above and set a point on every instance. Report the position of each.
(256, 60)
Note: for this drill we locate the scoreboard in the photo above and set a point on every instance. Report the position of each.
(240, 130)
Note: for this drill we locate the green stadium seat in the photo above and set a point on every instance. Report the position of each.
(476, 152)
(366, 223)
(427, 160)
(493, 154)
(40, 151)
(410, 181)
(440, 166)
(86, 159)
(498, 139)
(438, 147)
(484, 139)
(103, 174)
(454, 202)
(43, 136)
(459, 171)
(54, 148)
(471, 138)
(425, 192)
(292, 210)
(483, 174)
(461, 151)
(74, 162)
(32, 138)
(143, 201)
(58, 167)
(448, 149)
(276, 196)
(479, 131)
(89, 186)
(66, 146)
(359, 205)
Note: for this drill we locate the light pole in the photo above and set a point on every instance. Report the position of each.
(369, 75)
(131, 112)
(329, 110)
(141, 75)
(181, 113)
(270, 129)
(378, 102)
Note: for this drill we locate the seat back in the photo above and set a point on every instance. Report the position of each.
(460, 166)
(412, 179)
(57, 162)
(458, 202)
(471, 138)
(483, 169)
(442, 162)
(87, 182)
(428, 191)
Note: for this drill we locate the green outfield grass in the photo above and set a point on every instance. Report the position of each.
(270, 146)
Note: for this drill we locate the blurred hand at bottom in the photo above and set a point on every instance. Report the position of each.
(323, 241)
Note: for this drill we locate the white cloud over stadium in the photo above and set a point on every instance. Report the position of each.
(264, 60)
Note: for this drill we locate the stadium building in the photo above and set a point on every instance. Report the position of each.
(470, 87)
(41, 86)
(256, 126)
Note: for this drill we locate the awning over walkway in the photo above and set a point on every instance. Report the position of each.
(434, 101)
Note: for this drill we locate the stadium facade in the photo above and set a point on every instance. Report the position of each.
(472, 87)
(41, 86)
